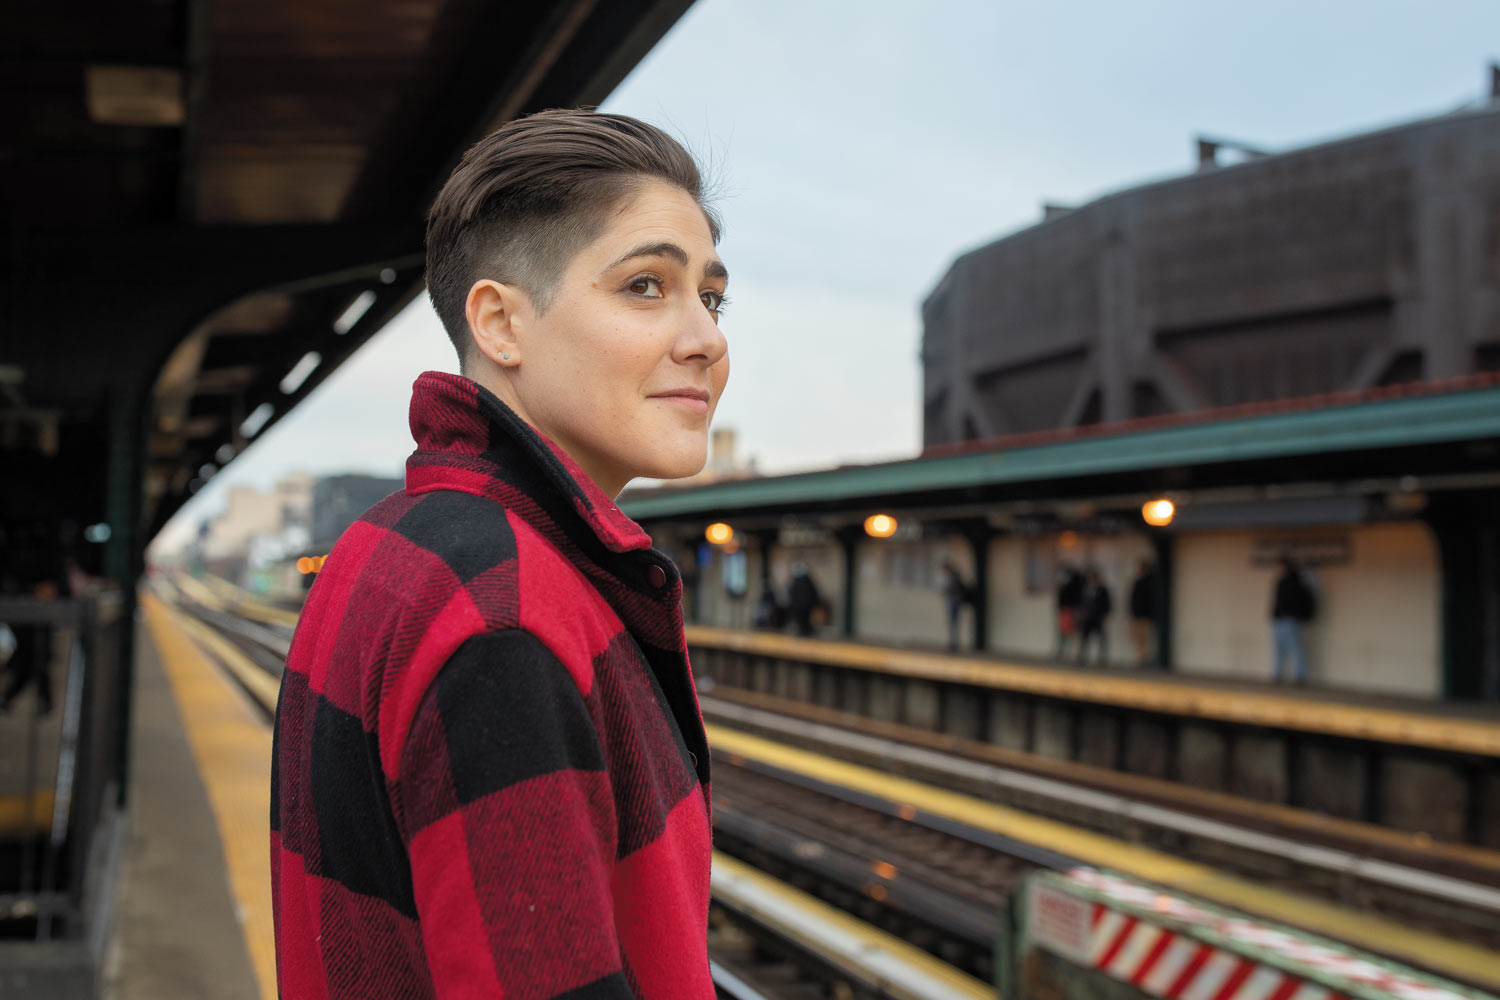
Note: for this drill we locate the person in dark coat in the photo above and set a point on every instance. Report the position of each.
(1093, 611)
(1143, 612)
(803, 599)
(955, 596)
(769, 614)
(1292, 606)
(1069, 598)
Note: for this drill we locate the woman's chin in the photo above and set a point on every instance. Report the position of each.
(675, 466)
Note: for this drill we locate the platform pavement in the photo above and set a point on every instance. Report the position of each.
(176, 931)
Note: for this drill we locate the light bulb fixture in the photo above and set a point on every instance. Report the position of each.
(1159, 512)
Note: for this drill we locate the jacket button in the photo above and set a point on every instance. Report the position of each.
(656, 576)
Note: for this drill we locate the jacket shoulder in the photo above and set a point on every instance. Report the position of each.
(417, 554)
(470, 534)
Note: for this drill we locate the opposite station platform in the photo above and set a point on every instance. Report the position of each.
(1426, 767)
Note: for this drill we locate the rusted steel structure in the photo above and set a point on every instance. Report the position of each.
(1355, 264)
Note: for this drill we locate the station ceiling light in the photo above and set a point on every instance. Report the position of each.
(257, 419)
(354, 312)
(880, 526)
(719, 533)
(294, 378)
(1159, 512)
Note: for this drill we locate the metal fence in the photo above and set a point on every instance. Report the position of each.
(60, 780)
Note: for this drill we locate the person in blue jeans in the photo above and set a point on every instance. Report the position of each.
(1292, 606)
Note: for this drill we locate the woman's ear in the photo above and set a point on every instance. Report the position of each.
(493, 311)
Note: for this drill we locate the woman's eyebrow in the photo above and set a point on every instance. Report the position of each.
(713, 269)
(652, 250)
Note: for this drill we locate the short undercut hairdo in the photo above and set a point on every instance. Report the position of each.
(526, 199)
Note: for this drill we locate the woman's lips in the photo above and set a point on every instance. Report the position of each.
(691, 402)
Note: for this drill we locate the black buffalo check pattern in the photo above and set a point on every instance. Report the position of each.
(490, 776)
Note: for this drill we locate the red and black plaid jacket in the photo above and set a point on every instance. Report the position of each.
(490, 775)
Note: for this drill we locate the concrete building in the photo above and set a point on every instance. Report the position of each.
(248, 512)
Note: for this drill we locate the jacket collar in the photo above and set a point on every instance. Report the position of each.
(468, 440)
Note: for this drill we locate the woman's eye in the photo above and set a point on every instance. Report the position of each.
(648, 287)
(714, 302)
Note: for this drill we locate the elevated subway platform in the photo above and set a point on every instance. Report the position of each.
(192, 912)
(1423, 767)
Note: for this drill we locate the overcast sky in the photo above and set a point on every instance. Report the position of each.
(859, 147)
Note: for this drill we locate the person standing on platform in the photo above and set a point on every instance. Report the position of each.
(1143, 613)
(769, 614)
(803, 599)
(956, 593)
(490, 776)
(1069, 598)
(1093, 613)
(1292, 606)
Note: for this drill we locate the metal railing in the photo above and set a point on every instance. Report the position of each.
(59, 761)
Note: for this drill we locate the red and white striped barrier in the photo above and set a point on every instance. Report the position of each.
(1178, 949)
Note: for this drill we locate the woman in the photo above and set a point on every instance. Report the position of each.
(491, 773)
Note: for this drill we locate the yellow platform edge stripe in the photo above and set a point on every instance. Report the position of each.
(875, 938)
(232, 748)
(1466, 962)
(1381, 725)
(27, 813)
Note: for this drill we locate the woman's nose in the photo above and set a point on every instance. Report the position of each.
(702, 339)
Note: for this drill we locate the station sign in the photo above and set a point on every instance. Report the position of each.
(1314, 550)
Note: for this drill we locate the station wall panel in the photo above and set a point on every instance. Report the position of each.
(900, 596)
(1377, 627)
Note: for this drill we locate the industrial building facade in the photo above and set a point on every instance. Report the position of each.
(1366, 262)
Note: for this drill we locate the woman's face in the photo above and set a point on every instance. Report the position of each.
(610, 370)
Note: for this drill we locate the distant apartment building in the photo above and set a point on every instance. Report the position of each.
(338, 501)
(248, 512)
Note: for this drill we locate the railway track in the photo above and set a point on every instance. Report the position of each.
(938, 891)
(1447, 889)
